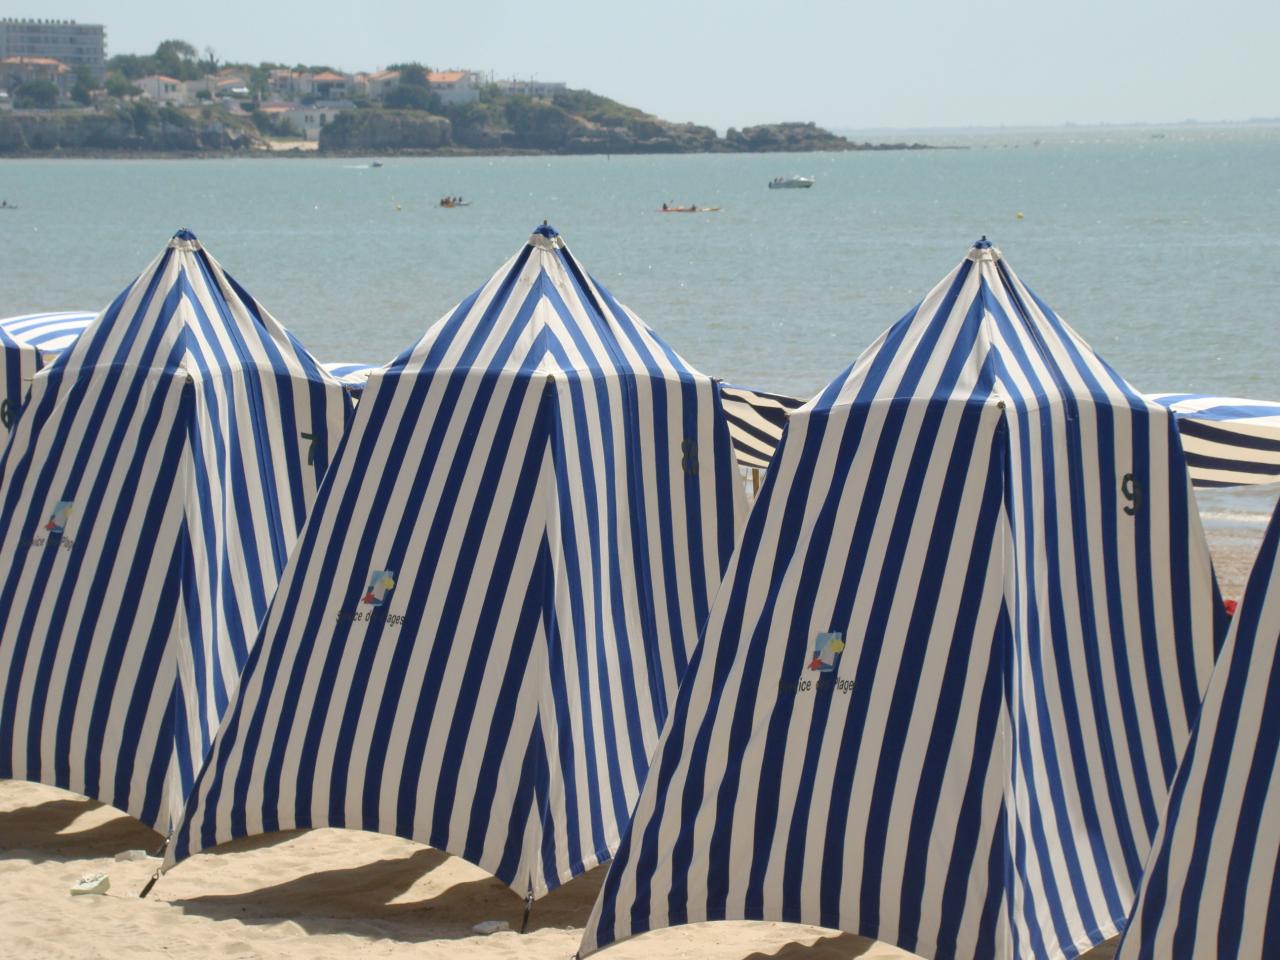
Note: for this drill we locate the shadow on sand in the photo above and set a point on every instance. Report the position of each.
(40, 832)
(838, 946)
(359, 900)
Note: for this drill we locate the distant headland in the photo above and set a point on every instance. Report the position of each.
(175, 103)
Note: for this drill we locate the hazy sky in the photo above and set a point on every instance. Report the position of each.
(895, 63)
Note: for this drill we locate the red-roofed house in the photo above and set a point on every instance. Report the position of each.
(328, 85)
(15, 71)
(378, 85)
(454, 86)
(163, 89)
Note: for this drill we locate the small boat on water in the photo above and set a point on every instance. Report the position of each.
(667, 208)
(376, 164)
(449, 203)
(791, 183)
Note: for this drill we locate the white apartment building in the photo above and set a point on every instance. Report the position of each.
(75, 44)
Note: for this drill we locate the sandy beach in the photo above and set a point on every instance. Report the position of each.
(320, 894)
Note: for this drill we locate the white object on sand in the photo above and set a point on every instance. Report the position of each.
(486, 927)
(91, 883)
(127, 856)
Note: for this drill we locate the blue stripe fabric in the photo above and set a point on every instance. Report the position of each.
(477, 638)
(353, 375)
(1228, 441)
(1212, 884)
(149, 496)
(28, 343)
(942, 690)
(756, 421)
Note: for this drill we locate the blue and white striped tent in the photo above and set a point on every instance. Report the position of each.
(1228, 441)
(1212, 885)
(947, 679)
(755, 418)
(149, 497)
(355, 376)
(476, 641)
(28, 343)
(756, 421)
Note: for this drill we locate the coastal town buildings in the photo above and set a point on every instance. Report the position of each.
(70, 43)
(307, 120)
(224, 83)
(15, 71)
(162, 89)
(454, 87)
(329, 85)
(283, 83)
(378, 85)
(535, 89)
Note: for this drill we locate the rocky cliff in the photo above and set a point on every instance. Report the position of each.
(132, 128)
(575, 121)
(383, 130)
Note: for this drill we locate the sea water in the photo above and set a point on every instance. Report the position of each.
(1161, 246)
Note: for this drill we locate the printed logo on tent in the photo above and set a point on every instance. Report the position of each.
(820, 674)
(381, 583)
(57, 521)
(827, 648)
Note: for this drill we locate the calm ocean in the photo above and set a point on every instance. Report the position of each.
(1160, 245)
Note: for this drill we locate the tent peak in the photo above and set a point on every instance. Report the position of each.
(984, 250)
(546, 237)
(184, 239)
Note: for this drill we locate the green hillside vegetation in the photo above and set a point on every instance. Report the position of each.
(575, 121)
(411, 117)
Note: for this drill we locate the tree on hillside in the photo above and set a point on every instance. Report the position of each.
(173, 58)
(258, 77)
(83, 92)
(36, 95)
(119, 86)
(412, 74)
(176, 57)
(412, 97)
(131, 66)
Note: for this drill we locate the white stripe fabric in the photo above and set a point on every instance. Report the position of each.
(944, 686)
(28, 343)
(476, 641)
(1228, 441)
(756, 421)
(1212, 885)
(149, 496)
(354, 375)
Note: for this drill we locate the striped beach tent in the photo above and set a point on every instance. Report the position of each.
(756, 421)
(28, 343)
(1228, 441)
(945, 684)
(1212, 885)
(354, 376)
(149, 497)
(476, 641)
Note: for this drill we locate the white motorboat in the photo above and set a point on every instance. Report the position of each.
(790, 183)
